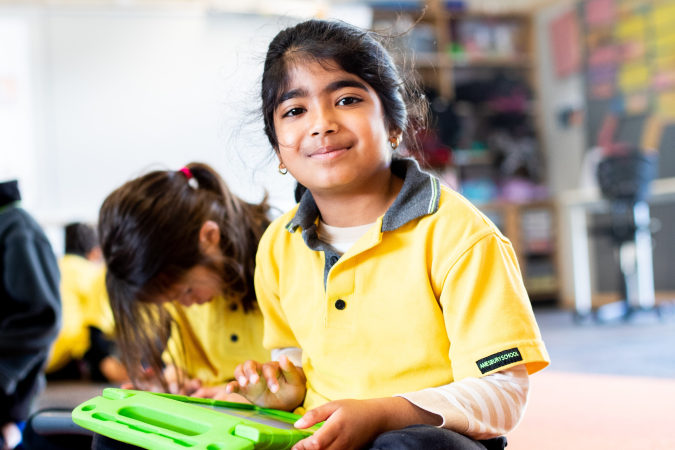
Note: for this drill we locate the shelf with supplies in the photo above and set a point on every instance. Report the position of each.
(531, 228)
(478, 71)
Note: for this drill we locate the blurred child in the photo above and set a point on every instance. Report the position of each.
(84, 347)
(30, 310)
(180, 253)
(402, 303)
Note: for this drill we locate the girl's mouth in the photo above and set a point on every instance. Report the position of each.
(328, 153)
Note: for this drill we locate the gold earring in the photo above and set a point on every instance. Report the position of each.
(281, 166)
(394, 145)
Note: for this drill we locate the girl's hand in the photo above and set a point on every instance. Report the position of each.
(150, 383)
(278, 385)
(350, 424)
(219, 393)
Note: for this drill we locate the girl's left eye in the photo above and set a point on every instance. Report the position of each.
(348, 101)
(294, 112)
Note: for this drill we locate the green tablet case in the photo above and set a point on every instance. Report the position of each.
(171, 422)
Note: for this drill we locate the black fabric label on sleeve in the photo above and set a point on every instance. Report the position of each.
(500, 359)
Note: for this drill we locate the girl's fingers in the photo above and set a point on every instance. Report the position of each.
(291, 373)
(193, 385)
(232, 387)
(251, 372)
(316, 415)
(323, 438)
(301, 445)
(236, 398)
(201, 393)
(128, 385)
(240, 376)
(270, 372)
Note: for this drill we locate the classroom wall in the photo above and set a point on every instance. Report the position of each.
(564, 147)
(115, 92)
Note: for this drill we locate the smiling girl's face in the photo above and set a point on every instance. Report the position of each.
(331, 129)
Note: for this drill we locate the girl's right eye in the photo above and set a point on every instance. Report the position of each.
(294, 112)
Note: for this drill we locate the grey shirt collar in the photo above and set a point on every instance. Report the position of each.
(419, 196)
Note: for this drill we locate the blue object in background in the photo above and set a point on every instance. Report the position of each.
(479, 190)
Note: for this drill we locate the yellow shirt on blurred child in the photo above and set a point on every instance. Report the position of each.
(216, 337)
(84, 303)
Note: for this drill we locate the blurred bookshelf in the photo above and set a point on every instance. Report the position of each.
(479, 72)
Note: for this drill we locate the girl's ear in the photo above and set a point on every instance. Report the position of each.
(395, 139)
(396, 136)
(209, 238)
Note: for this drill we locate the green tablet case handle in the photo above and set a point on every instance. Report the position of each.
(175, 422)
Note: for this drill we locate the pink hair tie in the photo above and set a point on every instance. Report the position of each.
(187, 173)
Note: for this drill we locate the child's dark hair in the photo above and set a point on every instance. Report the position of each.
(149, 229)
(355, 51)
(81, 239)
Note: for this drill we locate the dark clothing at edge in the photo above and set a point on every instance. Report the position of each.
(30, 306)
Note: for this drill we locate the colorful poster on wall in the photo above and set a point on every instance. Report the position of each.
(599, 12)
(665, 105)
(566, 45)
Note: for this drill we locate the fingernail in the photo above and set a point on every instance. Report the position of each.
(253, 379)
(299, 423)
(243, 381)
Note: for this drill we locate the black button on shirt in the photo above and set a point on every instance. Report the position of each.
(234, 338)
(333, 260)
(340, 304)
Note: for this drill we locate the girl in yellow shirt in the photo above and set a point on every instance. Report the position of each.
(395, 311)
(179, 249)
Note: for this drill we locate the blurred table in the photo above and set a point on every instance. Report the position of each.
(576, 204)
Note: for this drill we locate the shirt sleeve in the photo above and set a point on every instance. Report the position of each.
(481, 408)
(487, 313)
(294, 355)
(278, 333)
(31, 313)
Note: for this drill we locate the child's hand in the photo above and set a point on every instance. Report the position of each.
(350, 424)
(219, 393)
(150, 383)
(278, 385)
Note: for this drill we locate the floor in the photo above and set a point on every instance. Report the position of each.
(608, 387)
(645, 346)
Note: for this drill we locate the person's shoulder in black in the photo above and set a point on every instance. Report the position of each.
(30, 306)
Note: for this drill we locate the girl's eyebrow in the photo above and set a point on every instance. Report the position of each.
(337, 85)
(295, 93)
(332, 87)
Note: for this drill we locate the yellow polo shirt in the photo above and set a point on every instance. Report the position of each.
(431, 294)
(217, 336)
(84, 303)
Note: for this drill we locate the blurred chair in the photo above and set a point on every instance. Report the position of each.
(54, 429)
(624, 181)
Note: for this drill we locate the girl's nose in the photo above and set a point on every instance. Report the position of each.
(324, 123)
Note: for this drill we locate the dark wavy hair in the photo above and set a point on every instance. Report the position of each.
(356, 51)
(80, 239)
(149, 231)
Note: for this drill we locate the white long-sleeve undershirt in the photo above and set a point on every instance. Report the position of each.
(482, 408)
